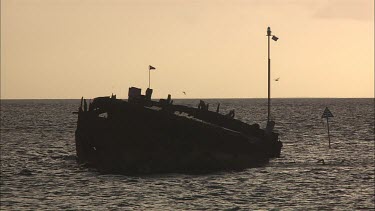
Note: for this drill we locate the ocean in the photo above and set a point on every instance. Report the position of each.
(39, 170)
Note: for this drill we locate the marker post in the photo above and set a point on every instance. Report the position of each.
(269, 72)
(326, 114)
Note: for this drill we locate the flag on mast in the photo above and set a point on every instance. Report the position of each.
(151, 67)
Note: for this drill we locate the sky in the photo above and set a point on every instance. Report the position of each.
(65, 49)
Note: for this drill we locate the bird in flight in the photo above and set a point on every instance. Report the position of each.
(184, 93)
(277, 79)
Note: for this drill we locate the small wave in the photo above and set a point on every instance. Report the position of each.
(70, 157)
(25, 172)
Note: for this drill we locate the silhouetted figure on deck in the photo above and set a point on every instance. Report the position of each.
(203, 106)
(165, 102)
(84, 105)
(169, 99)
(90, 105)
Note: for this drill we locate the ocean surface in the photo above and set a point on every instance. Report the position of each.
(39, 171)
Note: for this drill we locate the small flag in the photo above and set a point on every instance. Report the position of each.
(151, 67)
(275, 38)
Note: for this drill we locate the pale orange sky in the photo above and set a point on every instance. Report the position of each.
(209, 49)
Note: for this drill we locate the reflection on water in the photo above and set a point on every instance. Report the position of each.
(38, 168)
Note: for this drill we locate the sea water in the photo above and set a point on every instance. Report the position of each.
(39, 170)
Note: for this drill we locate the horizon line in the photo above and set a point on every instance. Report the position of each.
(213, 98)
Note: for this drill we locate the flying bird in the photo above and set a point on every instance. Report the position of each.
(277, 79)
(184, 93)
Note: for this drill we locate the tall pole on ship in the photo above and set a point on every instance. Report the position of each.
(269, 71)
(149, 73)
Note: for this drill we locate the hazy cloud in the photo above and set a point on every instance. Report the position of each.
(346, 9)
(326, 9)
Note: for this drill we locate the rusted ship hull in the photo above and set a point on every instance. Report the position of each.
(127, 138)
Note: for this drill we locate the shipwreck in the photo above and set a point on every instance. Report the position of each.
(143, 136)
